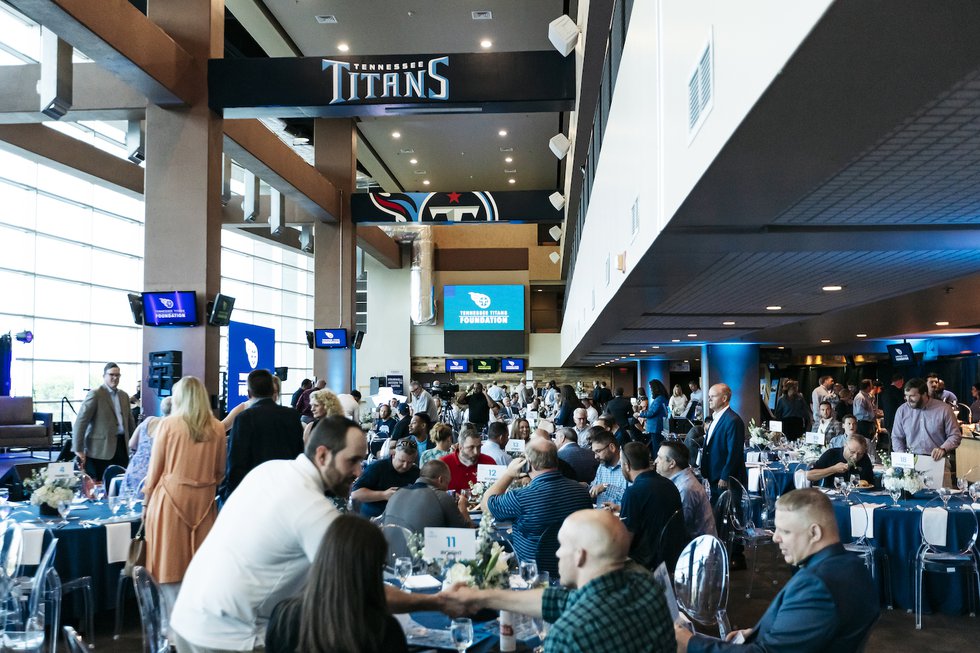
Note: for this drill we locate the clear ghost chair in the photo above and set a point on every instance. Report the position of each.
(24, 607)
(859, 516)
(397, 538)
(958, 552)
(11, 548)
(701, 582)
(153, 613)
(74, 641)
(743, 523)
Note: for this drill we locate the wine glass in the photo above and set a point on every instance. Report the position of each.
(543, 580)
(403, 569)
(529, 572)
(944, 493)
(974, 491)
(962, 485)
(64, 508)
(896, 494)
(461, 633)
(855, 481)
(98, 493)
(541, 628)
(115, 505)
(838, 483)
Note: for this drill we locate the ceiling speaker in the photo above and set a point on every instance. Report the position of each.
(559, 145)
(563, 34)
(558, 201)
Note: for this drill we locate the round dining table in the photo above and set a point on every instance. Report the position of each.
(897, 533)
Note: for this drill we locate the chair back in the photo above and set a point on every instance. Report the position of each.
(11, 548)
(770, 492)
(397, 538)
(111, 472)
(114, 486)
(701, 579)
(966, 537)
(73, 641)
(800, 481)
(672, 539)
(546, 553)
(24, 620)
(153, 616)
(743, 506)
(858, 517)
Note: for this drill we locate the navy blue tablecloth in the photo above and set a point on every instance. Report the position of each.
(896, 531)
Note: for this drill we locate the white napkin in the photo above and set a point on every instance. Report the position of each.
(422, 581)
(799, 479)
(755, 473)
(753, 456)
(31, 543)
(117, 539)
(863, 520)
(934, 525)
(934, 470)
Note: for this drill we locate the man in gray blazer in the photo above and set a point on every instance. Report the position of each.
(103, 426)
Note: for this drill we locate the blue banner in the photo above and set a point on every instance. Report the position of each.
(484, 308)
(249, 348)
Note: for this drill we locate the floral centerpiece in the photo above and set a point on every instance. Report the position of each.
(490, 569)
(47, 492)
(810, 453)
(760, 437)
(901, 478)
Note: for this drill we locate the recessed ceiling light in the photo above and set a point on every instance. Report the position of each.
(862, 335)
(833, 288)
(825, 341)
(774, 308)
(511, 181)
(643, 351)
(676, 340)
(632, 354)
(655, 347)
(343, 47)
(502, 132)
(509, 159)
(943, 323)
(396, 134)
(413, 161)
(486, 43)
(539, 290)
(780, 347)
(728, 323)
(687, 361)
(425, 182)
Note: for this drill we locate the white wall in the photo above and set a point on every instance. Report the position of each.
(387, 343)
(645, 153)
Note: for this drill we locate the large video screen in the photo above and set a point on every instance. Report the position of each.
(330, 338)
(484, 308)
(172, 308)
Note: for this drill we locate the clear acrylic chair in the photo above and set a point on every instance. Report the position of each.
(743, 523)
(73, 641)
(397, 538)
(858, 518)
(800, 481)
(701, 582)
(948, 557)
(33, 602)
(153, 614)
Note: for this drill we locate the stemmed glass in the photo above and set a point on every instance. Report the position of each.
(838, 483)
(403, 569)
(115, 504)
(974, 491)
(944, 493)
(541, 628)
(64, 509)
(529, 572)
(4, 495)
(896, 494)
(98, 493)
(461, 633)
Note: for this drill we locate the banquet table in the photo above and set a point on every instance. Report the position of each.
(896, 531)
(82, 548)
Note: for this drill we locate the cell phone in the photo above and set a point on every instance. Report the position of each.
(526, 467)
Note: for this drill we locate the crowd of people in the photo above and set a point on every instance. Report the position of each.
(257, 521)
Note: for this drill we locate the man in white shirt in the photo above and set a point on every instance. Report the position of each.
(822, 393)
(496, 392)
(496, 441)
(260, 549)
(423, 402)
(581, 417)
(826, 425)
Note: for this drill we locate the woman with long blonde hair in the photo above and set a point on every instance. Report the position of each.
(186, 465)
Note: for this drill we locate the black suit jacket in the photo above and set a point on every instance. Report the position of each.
(265, 431)
(889, 400)
(620, 408)
(723, 456)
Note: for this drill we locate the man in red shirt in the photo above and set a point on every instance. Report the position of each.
(462, 464)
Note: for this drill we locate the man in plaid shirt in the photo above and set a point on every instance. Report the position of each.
(592, 554)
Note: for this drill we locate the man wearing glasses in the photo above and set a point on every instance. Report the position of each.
(382, 478)
(609, 483)
(103, 426)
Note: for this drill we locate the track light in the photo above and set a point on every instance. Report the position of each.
(557, 200)
(25, 336)
(555, 257)
(563, 34)
(559, 145)
(555, 232)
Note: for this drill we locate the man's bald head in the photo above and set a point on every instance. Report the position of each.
(542, 454)
(805, 524)
(435, 471)
(591, 543)
(541, 434)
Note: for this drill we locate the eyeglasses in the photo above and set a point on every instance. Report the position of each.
(601, 450)
(408, 444)
(113, 376)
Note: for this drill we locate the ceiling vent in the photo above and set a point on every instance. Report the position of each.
(506, 149)
(421, 172)
(406, 150)
(326, 19)
(700, 90)
(483, 14)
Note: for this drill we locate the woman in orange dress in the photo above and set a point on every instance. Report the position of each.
(186, 465)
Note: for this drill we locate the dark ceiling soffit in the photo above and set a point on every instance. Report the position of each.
(285, 87)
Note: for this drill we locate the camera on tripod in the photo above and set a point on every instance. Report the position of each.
(446, 392)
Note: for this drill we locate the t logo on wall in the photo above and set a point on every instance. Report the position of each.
(250, 348)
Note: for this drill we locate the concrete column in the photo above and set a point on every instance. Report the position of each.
(649, 369)
(738, 366)
(183, 197)
(334, 264)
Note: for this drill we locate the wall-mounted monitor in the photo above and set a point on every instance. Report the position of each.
(171, 308)
(136, 306)
(219, 311)
(483, 308)
(485, 364)
(330, 338)
(457, 365)
(511, 364)
(901, 354)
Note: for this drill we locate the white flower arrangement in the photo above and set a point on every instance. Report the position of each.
(901, 478)
(50, 491)
(759, 436)
(490, 569)
(810, 453)
(477, 489)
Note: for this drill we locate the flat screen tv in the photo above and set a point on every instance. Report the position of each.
(457, 365)
(170, 308)
(330, 338)
(511, 364)
(485, 364)
(901, 354)
(219, 313)
(483, 308)
(136, 306)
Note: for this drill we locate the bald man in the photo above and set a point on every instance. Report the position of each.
(830, 604)
(593, 545)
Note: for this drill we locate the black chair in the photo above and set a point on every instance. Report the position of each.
(111, 472)
(546, 554)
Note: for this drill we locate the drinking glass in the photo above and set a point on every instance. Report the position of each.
(838, 483)
(962, 485)
(543, 579)
(529, 572)
(98, 493)
(541, 628)
(944, 494)
(974, 490)
(896, 494)
(403, 569)
(64, 508)
(855, 480)
(461, 633)
(4, 495)
(115, 504)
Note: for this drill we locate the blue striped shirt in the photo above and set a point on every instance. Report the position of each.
(611, 475)
(547, 500)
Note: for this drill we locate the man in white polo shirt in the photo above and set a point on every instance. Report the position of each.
(260, 549)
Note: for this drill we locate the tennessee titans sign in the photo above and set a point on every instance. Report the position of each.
(454, 206)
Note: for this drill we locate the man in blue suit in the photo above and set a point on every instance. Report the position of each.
(723, 456)
(830, 604)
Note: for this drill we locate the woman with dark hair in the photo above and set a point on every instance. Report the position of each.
(975, 406)
(569, 404)
(520, 429)
(343, 609)
(792, 404)
(655, 412)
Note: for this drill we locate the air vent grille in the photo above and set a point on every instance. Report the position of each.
(326, 19)
(483, 14)
(700, 90)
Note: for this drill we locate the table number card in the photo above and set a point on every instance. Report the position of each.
(489, 473)
(775, 426)
(459, 543)
(815, 438)
(60, 470)
(906, 460)
(515, 446)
